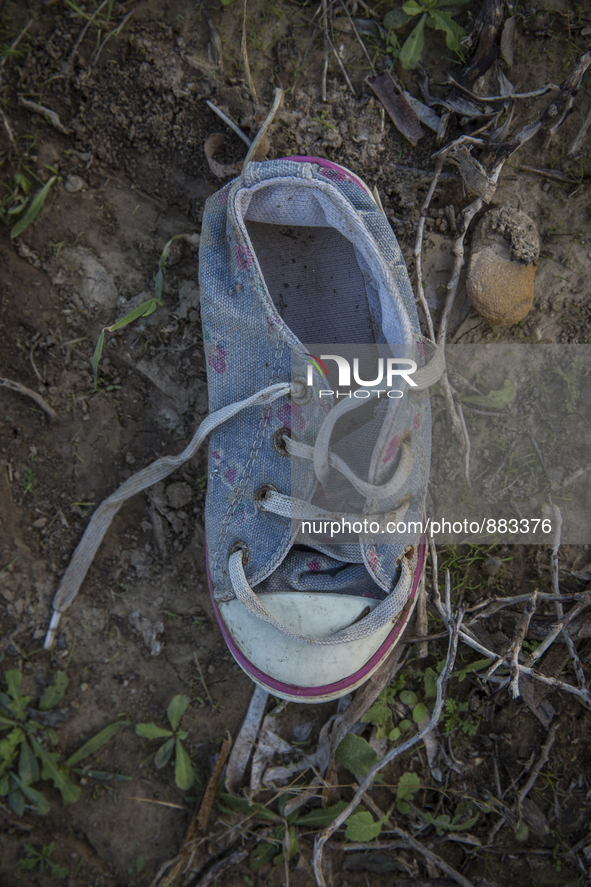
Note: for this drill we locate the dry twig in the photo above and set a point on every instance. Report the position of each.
(442, 682)
(22, 389)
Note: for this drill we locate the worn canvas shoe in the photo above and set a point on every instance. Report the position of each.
(297, 251)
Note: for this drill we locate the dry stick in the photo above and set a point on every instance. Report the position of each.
(413, 844)
(395, 752)
(9, 131)
(512, 654)
(341, 65)
(213, 33)
(543, 759)
(22, 389)
(422, 624)
(16, 42)
(467, 637)
(245, 59)
(229, 122)
(72, 55)
(501, 98)
(358, 36)
(557, 515)
(325, 66)
(114, 33)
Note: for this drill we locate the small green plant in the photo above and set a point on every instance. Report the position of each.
(184, 775)
(433, 15)
(456, 714)
(143, 310)
(41, 859)
(17, 207)
(28, 477)
(25, 756)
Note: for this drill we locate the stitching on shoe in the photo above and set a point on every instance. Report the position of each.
(255, 449)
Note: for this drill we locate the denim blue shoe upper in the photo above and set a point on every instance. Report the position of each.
(248, 347)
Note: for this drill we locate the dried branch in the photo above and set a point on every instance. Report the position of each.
(511, 656)
(395, 752)
(22, 389)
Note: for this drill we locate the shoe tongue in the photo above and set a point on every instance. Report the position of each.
(337, 569)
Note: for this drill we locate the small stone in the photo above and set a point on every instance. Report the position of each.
(74, 184)
(492, 566)
(40, 523)
(502, 266)
(179, 494)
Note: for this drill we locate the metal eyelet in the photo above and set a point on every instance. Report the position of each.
(263, 492)
(301, 392)
(239, 545)
(279, 441)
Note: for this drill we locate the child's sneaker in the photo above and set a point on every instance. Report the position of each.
(297, 251)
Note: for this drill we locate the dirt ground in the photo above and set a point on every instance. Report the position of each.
(132, 173)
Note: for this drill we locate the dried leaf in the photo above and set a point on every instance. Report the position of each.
(508, 40)
(399, 109)
(244, 744)
(221, 170)
(474, 175)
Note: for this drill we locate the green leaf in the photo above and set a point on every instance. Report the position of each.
(13, 682)
(411, 7)
(22, 181)
(96, 357)
(408, 697)
(379, 713)
(5, 723)
(93, 745)
(267, 850)
(452, 2)
(143, 310)
(33, 210)
(494, 400)
(183, 768)
(28, 769)
(50, 770)
(361, 826)
(16, 802)
(405, 725)
(442, 21)
(176, 709)
(35, 797)
(356, 754)
(230, 804)
(394, 735)
(430, 682)
(54, 693)
(465, 817)
(396, 18)
(164, 753)
(158, 284)
(474, 666)
(419, 713)
(521, 832)
(151, 731)
(408, 786)
(323, 816)
(410, 54)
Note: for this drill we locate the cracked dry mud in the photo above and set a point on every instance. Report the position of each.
(132, 175)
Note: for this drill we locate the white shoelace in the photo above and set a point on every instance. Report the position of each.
(161, 468)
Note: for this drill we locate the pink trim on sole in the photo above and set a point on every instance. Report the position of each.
(327, 689)
(344, 173)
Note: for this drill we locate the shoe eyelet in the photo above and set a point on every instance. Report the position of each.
(279, 441)
(262, 493)
(301, 392)
(240, 546)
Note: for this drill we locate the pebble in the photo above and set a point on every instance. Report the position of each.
(74, 184)
(502, 266)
